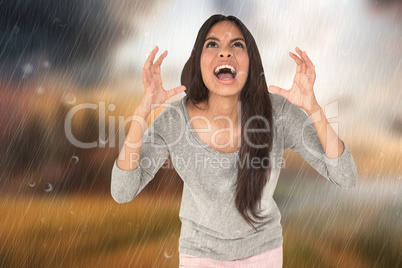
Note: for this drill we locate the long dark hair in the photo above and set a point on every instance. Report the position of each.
(255, 104)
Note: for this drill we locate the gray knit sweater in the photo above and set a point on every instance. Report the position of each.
(211, 225)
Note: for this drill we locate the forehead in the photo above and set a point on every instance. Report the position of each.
(225, 29)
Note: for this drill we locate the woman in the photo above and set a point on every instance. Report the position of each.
(226, 138)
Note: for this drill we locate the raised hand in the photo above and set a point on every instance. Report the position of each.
(301, 93)
(154, 94)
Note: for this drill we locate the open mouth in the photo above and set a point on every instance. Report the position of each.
(225, 72)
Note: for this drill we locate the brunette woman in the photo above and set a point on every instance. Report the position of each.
(226, 139)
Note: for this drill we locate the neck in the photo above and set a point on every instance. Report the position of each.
(227, 106)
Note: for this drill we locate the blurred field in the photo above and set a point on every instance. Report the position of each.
(324, 226)
(80, 231)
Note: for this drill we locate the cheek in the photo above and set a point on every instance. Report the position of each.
(204, 75)
(205, 65)
(244, 62)
(203, 62)
(203, 68)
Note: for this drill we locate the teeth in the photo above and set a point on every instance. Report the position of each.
(225, 66)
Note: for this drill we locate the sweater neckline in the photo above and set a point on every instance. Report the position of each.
(189, 126)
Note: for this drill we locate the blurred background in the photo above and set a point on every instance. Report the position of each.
(79, 63)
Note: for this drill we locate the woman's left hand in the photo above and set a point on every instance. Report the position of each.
(301, 93)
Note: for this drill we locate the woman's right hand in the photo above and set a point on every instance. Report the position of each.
(155, 95)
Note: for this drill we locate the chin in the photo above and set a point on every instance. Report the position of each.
(225, 90)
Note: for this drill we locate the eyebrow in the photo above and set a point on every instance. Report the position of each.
(231, 41)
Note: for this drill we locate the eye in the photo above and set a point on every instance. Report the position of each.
(238, 44)
(212, 44)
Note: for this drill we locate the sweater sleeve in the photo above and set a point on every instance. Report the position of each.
(127, 184)
(301, 136)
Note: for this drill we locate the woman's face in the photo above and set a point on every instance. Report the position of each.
(224, 60)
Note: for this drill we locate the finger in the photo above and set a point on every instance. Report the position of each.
(151, 57)
(295, 58)
(279, 91)
(175, 91)
(307, 60)
(297, 61)
(301, 53)
(159, 61)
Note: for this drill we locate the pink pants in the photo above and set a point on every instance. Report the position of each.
(268, 259)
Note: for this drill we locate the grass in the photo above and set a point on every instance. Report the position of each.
(94, 231)
(88, 232)
(335, 241)
(325, 226)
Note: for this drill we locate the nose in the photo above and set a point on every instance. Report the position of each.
(225, 53)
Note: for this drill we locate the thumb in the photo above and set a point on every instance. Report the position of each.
(175, 91)
(279, 91)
